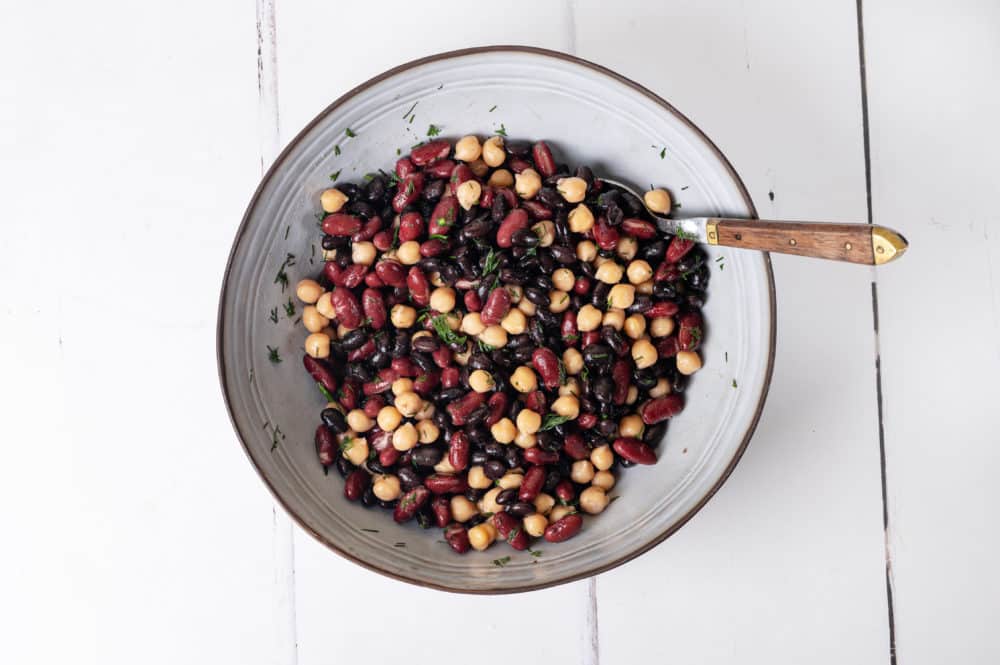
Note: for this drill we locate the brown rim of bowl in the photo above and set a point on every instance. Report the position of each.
(443, 56)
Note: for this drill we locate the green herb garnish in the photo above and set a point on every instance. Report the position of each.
(369, 530)
(350, 133)
(289, 309)
(683, 235)
(492, 262)
(734, 384)
(411, 109)
(512, 535)
(416, 145)
(334, 176)
(502, 131)
(346, 444)
(535, 553)
(551, 421)
(326, 393)
(484, 347)
(447, 335)
(493, 108)
(433, 130)
(274, 315)
(501, 562)
(272, 355)
(336, 150)
(438, 236)
(663, 153)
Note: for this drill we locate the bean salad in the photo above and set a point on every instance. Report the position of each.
(496, 336)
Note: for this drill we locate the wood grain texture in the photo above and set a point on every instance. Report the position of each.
(837, 242)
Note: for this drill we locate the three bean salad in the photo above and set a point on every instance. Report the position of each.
(496, 336)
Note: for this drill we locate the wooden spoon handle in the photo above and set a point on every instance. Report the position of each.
(856, 243)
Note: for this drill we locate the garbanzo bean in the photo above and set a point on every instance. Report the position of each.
(559, 301)
(535, 524)
(631, 426)
(427, 431)
(408, 404)
(546, 232)
(582, 471)
(602, 458)
(354, 448)
(495, 336)
(503, 431)
(481, 381)
(409, 253)
(462, 510)
(544, 503)
(332, 200)
(493, 152)
(523, 379)
(482, 536)
(644, 353)
(527, 183)
(515, 322)
(627, 248)
(580, 219)
(688, 362)
(621, 296)
(477, 479)
(308, 291)
(609, 272)
(528, 421)
(402, 316)
(563, 279)
(572, 189)
(661, 388)
(468, 149)
(313, 320)
(593, 500)
(586, 251)
(661, 327)
(572, 361)
(472, 323)
(388, 418)
(359, 421)
(635, 326)
(387, 487)
(614, 317)
(443, 299)
(567, 406)
(603, 479)
(501, 178)
(318, 345)
(658, 201)
(468, 193)
(363, 253)
(639, 271)
(588, 318)
(405, 437)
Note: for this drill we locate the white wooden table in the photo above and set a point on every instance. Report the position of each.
(860, 526)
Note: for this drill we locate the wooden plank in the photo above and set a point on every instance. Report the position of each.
(787, 561)
(933, 104)
(138, 531)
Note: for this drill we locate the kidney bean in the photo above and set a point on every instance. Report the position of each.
(544, 162)
(457, 537)
(634, 451)
(586, 420)
(565, 491)
(537, 455)
(689, 334)
(518, 165)
(404, 167)
(547, 365)
(458, 451)
(442, 357)
(382, 241)
(389, 456)
(376, 387)
(346, 307)
(348, 396)
(567, 329)
(496, 307)
(372, 280)
(563, 529)
(351, 276)
(450, 377)
(373, 405)
(640, 228)
(605, 235)
(661, 309)
(355, 484)
(531, 485)
(575, 447)
(405, 367)
(462, 408)
(411, 226)
(440, 169)
(659, 409)
(621, 373)
(326, 446)
(472, 301)
(441, 507)
(425, 384)
(509, 196)
(677, 249)
(341, 224)
(590, 337)
(509, 528)
(461, 173)
(515, 220)
(441, 483)
(537, 210)
(391, 272)
(667, 347)
(433, 247)
(331, 271)
(320, 372)
(582, 286)
(443, 217)
(410, 503)
(364, 351)
(373, 306)
(429, 153)
(536, 401)
(498, 407)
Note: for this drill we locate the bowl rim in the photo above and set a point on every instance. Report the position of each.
(445, 55)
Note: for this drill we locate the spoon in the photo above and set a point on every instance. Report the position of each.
(855, 243)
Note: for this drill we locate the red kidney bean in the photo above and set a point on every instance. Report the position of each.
(374, 281)
(667, 347)
(563, 529)
(420, 288)
(450, 377)
(621, 377)
(368, 231)
(425, 384)
(509, 195)
(565, 491)
(346, 307)
(536, 401)
(574, 446)
(379, 440)
(538, 456)
(568, 328)
(352, 276)
(405, 367)
(355, 484)
(326, 445)
(689, 334)
(388, 374)
(433, 247)
(442, 356)
(429, 153)
(661, 309)
(605, 235)
(411, 226)
(391, 272)
(382, 241)
(634, 450)
(407, 191)
(677, 249)
(538, 211)
(496, 307)
(547, 365)
(404, 167)
(376, 387)
(582, 285)
(366, 350)
(461, 173)
(443, 217)
(472, 301)
(667, 272)
(509, 528)
(659, 409)
(331, 271)
(460, 409)
(341, 224)
(320, 372)
(441, 169)
(640, 228)
(373, 405)
(486, 198)
(443, 483)
(515, 220)
(348, 396)
(531, 485)
(544, 162)
(458, 450)
(498, 403)
(586, 420)
(389, 456)
(373, 305)
(457, 537)
(518, 165)
(590, 337)
(410, 503)
(441, 507)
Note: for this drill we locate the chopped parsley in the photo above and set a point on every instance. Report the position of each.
(493, 108)
(734, 384)
(484, 347)
(512, 535)
(492, 262)
(274, 315)
(502, 131)
(551, 421)
(349, 133)
(433, 130)
(535, 553)
(326, 393)
(369, 530)
(416, 145)
(334, 176)
(683, 235)
(336, 150)
(411, 109)
(346, 444)
(289, 309)
(663, 153)
(273, 356)
(438, 236)
(447, 335)
(501, 562)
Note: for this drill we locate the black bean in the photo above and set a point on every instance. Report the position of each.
(521, 509)
(477, 457)
(361, 209)
(695, 299)
(520, 149)
(383, 342)
(360, 371)
(547, 317)
(477, 228)
(519, 342)
(499, 209)
(349, 189)
(478, 415)
(434, 190)
(332, 242)
(665, 290)
(602, 388)
(430, 264)
(507, 496)
(525, 238)
(400, 344)
(588, 404)
(654, 251)
(494, 469)
(607, 428)
(451, 395)
(375, 189)
(679, 383)
(408, 478)
(425, 518)
(691, 261)
(586, 174)
(374, 466)
(354, 339)
(598, 357)
(548, 441)
(645, 378)
(562, 254)
(654, 434)
(368, 498)
(426, 343)
(494, 450)
(475, 519)
(550, 197)
(468, 266)
(587, 269)
(344, 466)
(615, 340)
(551, 480)
(474, 495)
(388, 505)
(546, 263)
(599, 298)
(424, 362)
(641, 304)
(480, 435)
(381, 359)
(441, 418)
(334, 420)
(427, 455)
(512, 276)
(632, 205)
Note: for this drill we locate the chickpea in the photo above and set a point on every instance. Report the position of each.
(631, 426)
(501, 178)
(661, 327)
(468, 149)
(435, 279)
(313, 320)
(688, 362)
(510, 480)
(503, 431)
(402, 385)
(527, 183)
(308, 291)
(635, 326)
(572, 361)
(325, 307)
(525, 440)
(359, 421)
(405, 437)
(527, 307)
(601, 260)
(609, 272)
(658, 201)
(639, 271)
(332, 200)
(570, 387)
(481, 381)
(515, 322)
(560, 512)
(462, 510)
(546, 232)
(593, 500)
(387, 487)
(627, 248)
(479, 168)
(643, 353)
(602, 458)
(363, 253)
(354, 448)
(338, 333)
(582, 471)
(427, 431)
(495, 336)
(329, 254)
(544, 503)
(588, 318)
(477, 479)
(388, 418)
(472, 324)
(443, 299)
(580, 219)
(586, 251)
(559, 301)
(632, 395)
(614, 317)
(528, 421)
(493, 153)
(524, 380)
(572, 189)
(567, 406)
(468, 193)
(488, 504)
(534, 525)
(444, 466)
(661, 389)
(318, 345)
(515, 292)
(402, 316)
(563, 279)
(604, 479)
(426, 411)
(482, 536)
(621, 296)
(409, 253)
(645, 288)
(408, 404)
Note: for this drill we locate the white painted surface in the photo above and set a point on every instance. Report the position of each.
(131, 137)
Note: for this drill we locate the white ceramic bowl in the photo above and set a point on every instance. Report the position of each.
(589, 115)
